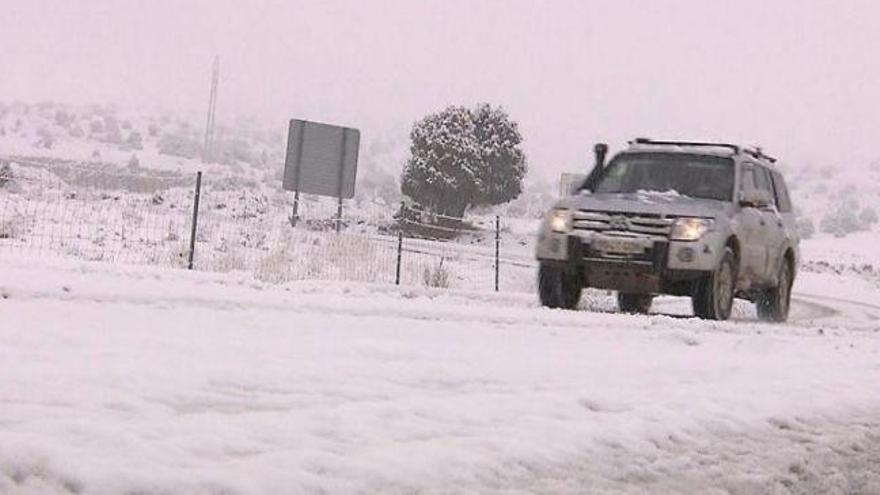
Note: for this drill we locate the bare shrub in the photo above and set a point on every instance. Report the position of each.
(437, 276)
(6, 174)
(230, 258)
(273, 268)
(9, 229)
(176, 254)
(310, 255)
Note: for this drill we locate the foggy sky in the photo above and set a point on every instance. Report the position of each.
(798, 77)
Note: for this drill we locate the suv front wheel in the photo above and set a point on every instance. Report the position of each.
(713, 295)
(774, 303)
(559, 287)
(634, 303)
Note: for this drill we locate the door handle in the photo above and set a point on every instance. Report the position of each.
(763, 223)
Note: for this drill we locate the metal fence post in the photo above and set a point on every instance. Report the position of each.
(497, 245)
(195, 219)
(399, 253)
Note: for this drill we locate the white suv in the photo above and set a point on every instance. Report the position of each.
(712, 221)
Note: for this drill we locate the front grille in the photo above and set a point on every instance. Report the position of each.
(620, 222)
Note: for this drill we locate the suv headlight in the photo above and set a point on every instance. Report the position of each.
(560, 221)
(690, 229)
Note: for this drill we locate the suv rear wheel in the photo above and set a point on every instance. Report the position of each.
(713, 295)
(558, 287)
(634, 303)
(774, 303)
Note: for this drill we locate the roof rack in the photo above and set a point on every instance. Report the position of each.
(735, 148)
(758, 153)
(755, 152)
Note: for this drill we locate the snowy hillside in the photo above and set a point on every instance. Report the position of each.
(247, 152)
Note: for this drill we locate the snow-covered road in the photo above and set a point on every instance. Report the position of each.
(119, 379)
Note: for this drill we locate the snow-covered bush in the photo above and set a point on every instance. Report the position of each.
(178, 145)
(96, 126)
(841, 221)
(805, 227)
(44, 138)
(76, 132)
(234, 150)
(134, 163)
(133, 142)
(112, 132)
(868, 217)
(62, 118)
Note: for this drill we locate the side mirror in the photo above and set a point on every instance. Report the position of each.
(755, 198)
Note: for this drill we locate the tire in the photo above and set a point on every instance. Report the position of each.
(773, 305)
(558, 287)
(634, 303)
(713, 295)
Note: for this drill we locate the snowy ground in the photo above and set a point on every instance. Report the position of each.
(120, 379)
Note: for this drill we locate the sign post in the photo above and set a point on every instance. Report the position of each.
(321, 160)
(298, 158)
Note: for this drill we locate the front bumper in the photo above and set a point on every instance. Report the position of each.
(662, 266)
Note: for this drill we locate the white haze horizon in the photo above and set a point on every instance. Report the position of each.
(798, 78)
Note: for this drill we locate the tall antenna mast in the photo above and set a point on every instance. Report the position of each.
(208, 147)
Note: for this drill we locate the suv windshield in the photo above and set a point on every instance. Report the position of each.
(696, 176)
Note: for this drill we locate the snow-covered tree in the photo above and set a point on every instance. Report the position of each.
(503, 162)
(461, 158)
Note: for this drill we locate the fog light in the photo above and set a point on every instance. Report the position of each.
(685, 255)
(555, 245)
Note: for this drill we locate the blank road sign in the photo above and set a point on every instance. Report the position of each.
(321, 159)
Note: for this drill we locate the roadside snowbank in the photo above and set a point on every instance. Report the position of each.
(137, 379)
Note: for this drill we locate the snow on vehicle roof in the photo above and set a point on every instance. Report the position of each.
(719, 151)
(677, 148)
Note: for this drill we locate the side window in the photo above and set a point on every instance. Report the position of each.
(748, 178)
(762, 180)
(783, 200)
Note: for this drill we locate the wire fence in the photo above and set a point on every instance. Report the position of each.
(94, 214)
(113, 214)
